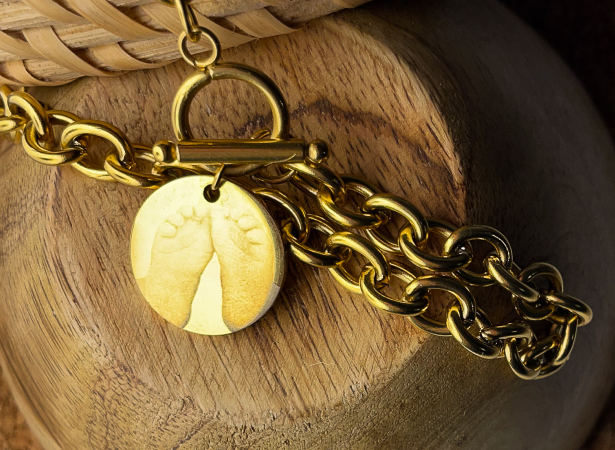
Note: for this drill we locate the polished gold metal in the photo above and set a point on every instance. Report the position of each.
(426, 261)
(310, 177)
(11, 124)
(401, 206)
(310, 255)
(241, 151)
(296, 213)
(344, 216)
(195, 36)
(209, 268)
(509, 282)
(193, 84)
(54, 157)
(517, 330)
(187, 19)
(455, 323)
(408, 306)
(225, 71)
(213, 263)
(359, 244)
(575, 306)
(421, 287)
(262, 177)
(85, 128)
(21, 101)
(521, 368)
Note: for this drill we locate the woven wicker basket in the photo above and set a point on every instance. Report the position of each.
(50, 42)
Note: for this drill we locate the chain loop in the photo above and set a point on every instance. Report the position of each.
(84, 128)
(421, 287)
(417, 224)
(312, 256)
(567, 334)
(575, 306)
(40, 154)
(515, 330)
(541, 309)
(520, 367)
(125, 175)
(12, 123)
(364, 247)
(455, 242)
(509, 282)
(309, 178)
(475, 345)
(429, 262)
(345, 217)
(406, 307)
(35, 112)
(297, 214)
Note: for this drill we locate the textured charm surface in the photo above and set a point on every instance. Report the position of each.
(209, 268)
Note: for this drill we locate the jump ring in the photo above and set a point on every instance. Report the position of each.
(190, 59)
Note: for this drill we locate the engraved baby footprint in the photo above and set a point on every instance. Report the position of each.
(181, 250)
(246, 255)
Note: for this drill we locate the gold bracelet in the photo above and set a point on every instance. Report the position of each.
(209, 257)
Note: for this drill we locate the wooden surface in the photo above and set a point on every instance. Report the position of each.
(49, 42)
(436, 101)
(584, 36)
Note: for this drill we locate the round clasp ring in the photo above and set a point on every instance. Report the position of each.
(200, 64)
(229, 71)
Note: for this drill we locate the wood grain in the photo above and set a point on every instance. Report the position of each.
(432, 101)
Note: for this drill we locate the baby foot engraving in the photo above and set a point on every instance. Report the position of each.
(182, 249)
(245, 252)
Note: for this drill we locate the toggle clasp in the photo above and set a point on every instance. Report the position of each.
(241, 156)
(200, 152)
(238, 156)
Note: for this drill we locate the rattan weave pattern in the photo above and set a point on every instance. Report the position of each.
(51, 42)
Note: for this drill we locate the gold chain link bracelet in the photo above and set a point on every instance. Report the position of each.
(209, 258)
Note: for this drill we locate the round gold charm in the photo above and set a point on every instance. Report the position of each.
(209, 268)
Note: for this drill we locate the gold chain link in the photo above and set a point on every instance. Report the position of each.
(529, 356)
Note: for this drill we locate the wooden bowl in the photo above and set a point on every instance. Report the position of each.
(456, 105)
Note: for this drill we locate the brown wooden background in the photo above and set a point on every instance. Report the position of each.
(583, 33)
